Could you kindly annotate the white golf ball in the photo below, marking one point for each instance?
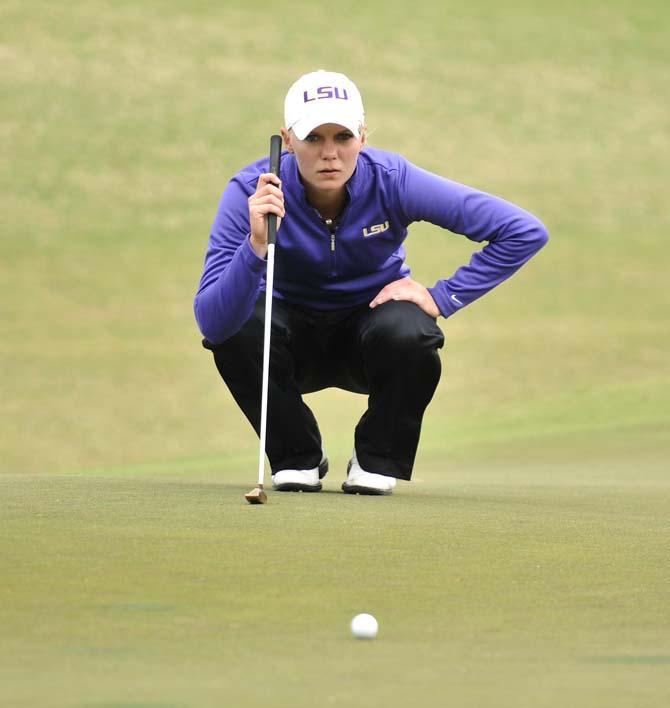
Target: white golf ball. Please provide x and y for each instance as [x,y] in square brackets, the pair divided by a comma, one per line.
[364,626]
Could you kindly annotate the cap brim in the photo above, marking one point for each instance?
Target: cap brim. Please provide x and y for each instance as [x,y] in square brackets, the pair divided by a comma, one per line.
[303,127]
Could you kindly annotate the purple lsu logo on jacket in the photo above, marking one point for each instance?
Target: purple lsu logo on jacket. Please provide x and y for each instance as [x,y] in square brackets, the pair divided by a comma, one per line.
[326,92]
[375,229]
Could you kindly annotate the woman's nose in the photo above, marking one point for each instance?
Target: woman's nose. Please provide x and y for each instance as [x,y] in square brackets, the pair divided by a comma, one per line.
[329,149]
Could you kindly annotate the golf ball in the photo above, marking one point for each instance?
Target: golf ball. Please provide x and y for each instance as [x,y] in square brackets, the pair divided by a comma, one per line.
[364,626]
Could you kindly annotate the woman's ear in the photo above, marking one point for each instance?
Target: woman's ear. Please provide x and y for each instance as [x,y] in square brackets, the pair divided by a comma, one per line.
[287,136]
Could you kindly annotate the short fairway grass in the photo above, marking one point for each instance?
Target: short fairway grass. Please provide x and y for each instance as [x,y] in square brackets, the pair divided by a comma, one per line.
[528,564]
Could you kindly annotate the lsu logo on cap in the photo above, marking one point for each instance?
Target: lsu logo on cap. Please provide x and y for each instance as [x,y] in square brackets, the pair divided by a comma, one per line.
[326,92]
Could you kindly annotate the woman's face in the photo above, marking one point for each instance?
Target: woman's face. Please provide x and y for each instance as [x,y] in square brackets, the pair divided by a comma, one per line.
[326,157]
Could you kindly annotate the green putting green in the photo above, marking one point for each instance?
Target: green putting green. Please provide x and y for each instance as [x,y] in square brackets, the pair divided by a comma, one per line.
[506,586]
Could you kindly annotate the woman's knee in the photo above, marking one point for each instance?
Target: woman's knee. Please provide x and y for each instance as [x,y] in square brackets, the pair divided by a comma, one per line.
[403,327]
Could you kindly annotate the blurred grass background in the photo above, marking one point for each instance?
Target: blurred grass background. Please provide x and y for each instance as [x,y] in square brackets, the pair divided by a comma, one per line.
[121,124]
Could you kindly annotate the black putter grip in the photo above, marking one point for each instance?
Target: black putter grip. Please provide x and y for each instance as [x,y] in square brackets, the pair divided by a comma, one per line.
[275,157]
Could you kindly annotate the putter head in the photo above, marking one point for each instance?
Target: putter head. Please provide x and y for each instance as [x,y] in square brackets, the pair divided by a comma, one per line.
[256,496]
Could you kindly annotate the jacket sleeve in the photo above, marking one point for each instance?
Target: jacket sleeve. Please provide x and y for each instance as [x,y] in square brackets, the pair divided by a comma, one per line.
[233,273]
[513,235]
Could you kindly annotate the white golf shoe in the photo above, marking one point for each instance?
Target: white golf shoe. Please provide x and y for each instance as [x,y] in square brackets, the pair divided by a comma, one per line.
[300,480]
[361,482]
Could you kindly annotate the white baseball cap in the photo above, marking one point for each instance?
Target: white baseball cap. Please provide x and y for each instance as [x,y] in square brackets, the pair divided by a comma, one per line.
[323,97]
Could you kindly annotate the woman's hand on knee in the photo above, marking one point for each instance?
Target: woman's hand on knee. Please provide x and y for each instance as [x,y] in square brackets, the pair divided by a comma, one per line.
[410,290]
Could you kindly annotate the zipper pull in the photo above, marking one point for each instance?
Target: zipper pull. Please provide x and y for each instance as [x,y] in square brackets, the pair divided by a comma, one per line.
[331,228]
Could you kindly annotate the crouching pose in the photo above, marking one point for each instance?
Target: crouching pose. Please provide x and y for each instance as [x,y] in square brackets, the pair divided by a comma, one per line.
[346,312]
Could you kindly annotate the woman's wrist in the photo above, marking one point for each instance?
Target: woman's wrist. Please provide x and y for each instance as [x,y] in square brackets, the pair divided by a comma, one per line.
[260,247]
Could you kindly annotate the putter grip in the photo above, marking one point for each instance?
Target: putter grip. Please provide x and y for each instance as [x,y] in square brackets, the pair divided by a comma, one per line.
[275,158]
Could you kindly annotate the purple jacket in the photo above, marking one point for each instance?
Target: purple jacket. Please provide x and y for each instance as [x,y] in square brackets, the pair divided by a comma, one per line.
[345,266]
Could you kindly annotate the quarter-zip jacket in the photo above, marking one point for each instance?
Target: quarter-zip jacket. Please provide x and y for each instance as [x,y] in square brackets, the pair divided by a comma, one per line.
[345,263]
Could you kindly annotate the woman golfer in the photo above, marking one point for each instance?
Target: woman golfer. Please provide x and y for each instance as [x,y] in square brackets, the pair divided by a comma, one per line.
[346,312]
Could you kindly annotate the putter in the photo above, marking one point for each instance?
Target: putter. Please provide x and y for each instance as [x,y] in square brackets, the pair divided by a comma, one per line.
[258,495]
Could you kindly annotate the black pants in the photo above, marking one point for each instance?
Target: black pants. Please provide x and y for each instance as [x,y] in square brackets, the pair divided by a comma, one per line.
[389,352]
